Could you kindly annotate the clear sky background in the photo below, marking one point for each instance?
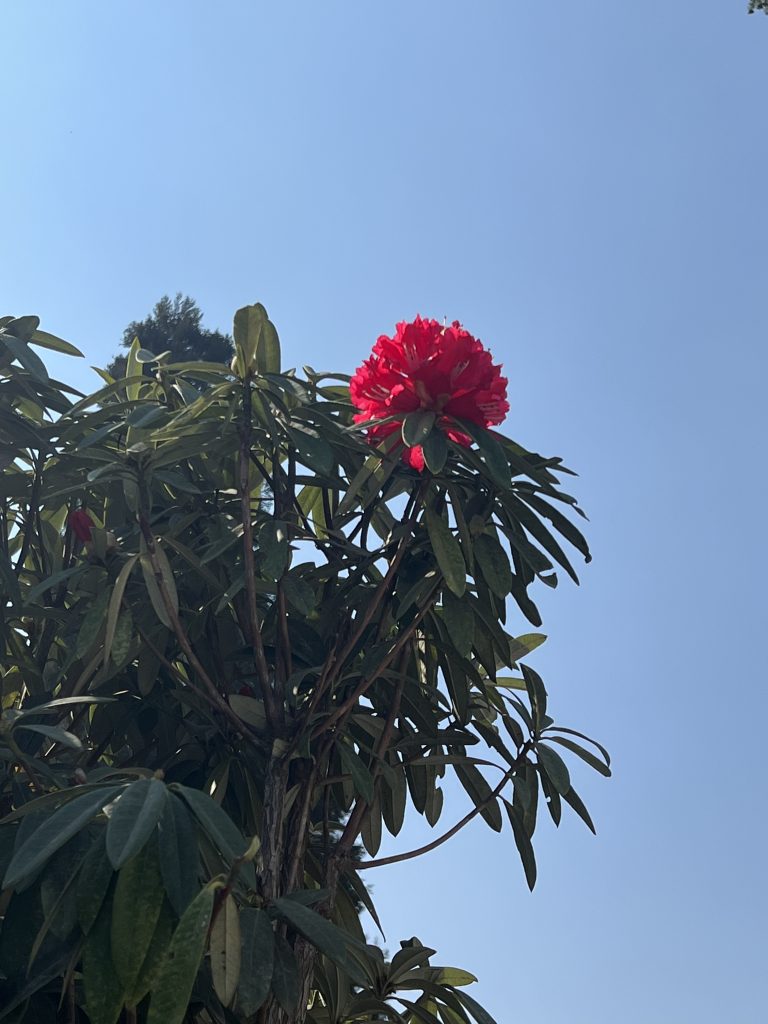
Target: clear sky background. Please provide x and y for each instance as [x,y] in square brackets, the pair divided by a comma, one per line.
[583,185]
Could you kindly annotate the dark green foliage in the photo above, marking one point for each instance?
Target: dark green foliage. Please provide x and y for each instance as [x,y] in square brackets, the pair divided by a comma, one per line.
[758,5]
[274,642]
[174,326]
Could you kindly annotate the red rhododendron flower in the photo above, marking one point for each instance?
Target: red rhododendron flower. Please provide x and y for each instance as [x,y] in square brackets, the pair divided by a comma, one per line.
[81,524]
[428,366]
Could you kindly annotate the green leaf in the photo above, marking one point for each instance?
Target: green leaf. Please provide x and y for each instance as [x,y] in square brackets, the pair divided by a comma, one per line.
[574,800]
[555,767]
[492,452]
[92,623]
[134,372]
[121,641]
[226,951]
[312,450]
[447,552]
[361,776]
[220,828]
[23,354]
[521,646]
[104,993]
[52,581]
[435,449]
[455,977]
[585,755]
[52,732]
[537,695]
[459,621]
[257,960]
[178,853]
[153,961]
[417,427]
[481,793]
[320,932]
[273,548]
[136,906]
[53,833]
[93,883]
[133,819]
[285,976]
[45,340]
[494,564]
[478,1012]
[173,987]
[153,587]
[299,593]
[255,336]
[523,844]
[115,603]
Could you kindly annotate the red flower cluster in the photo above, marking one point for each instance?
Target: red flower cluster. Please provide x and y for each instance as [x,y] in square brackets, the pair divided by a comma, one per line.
[81,524]
[428,366]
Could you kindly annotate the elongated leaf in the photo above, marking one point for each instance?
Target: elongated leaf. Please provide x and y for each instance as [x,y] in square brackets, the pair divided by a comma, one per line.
[45,340]
[459,621]
[361,776]
[537,694]
[226,951]
[494,563]
[417,427]
[273,548]
[555,767]
[492,452]
[153,588]
[153,961]
[447,552]
[320,932]
[285,976]
[221,829]
[477,787]
[133,819]
[574,800]
[121,641]
[523,844]
[480,1014]
[115,602]
[258,951]
[53,833]
[104,993]
[255,335]
[173,986]
[136,906]
[91,624]
[52,581]
[52,732]
[585,755]
[23,354]
[178,853]
[435,449]
[521,646]
[93,882]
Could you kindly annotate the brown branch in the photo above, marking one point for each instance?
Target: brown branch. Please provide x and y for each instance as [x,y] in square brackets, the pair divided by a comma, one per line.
[344,709]
[477,809]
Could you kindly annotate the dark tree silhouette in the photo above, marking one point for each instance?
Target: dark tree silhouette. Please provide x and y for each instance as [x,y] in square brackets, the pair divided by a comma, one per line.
[175,325]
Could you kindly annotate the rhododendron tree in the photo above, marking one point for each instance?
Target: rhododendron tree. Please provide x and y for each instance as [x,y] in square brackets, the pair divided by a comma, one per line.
[252,619]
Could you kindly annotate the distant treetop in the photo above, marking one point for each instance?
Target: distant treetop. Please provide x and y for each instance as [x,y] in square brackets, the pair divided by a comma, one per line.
[175,325]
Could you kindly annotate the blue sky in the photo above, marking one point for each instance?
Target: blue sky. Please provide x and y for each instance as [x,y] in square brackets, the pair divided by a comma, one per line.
[583,186]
